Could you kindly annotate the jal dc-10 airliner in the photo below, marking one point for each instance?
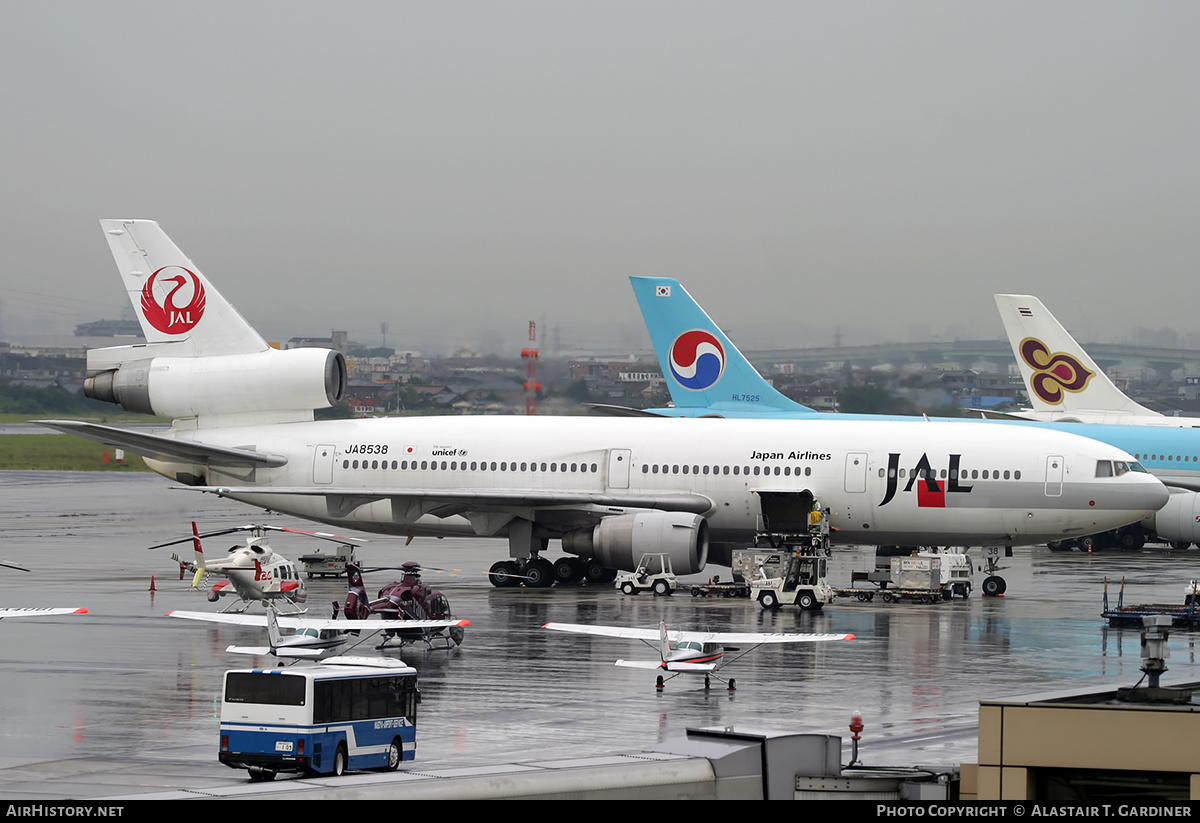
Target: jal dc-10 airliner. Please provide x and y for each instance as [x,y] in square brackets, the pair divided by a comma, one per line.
[609,489]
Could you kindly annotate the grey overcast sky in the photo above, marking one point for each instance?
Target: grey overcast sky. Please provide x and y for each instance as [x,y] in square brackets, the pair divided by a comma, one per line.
[456,169]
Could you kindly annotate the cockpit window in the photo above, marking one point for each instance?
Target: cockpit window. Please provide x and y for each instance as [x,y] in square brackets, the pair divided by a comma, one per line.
[1137,467]
[1104,468]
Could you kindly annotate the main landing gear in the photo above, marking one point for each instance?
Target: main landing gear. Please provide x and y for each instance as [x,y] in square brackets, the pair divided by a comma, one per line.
[537,573]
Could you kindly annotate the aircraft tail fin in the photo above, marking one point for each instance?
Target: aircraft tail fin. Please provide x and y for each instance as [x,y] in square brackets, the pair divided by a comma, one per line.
[274,636]
[198,554]
[1059,375]
[174,302]
[702,367]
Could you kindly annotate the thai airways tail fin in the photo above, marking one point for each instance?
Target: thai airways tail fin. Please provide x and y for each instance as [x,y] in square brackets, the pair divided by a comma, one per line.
[704,371]
[174,302]
[1062,380]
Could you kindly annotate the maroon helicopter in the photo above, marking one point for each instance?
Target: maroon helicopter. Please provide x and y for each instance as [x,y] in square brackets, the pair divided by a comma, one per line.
[406,599]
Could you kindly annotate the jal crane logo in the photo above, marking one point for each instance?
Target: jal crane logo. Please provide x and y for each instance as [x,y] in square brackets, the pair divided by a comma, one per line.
[168,316]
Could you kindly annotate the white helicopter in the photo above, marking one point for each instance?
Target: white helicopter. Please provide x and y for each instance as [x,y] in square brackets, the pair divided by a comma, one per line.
[254,572]
[681,652]
[310,638]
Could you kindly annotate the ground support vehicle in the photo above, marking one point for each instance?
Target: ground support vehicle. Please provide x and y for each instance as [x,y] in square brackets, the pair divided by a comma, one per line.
[715,587]
[343,713]
[1186,616]
[922,577]
[796,574]
[328,564]
[654,574]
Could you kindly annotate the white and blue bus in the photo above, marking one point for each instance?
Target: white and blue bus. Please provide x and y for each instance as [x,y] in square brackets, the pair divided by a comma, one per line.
[343,713]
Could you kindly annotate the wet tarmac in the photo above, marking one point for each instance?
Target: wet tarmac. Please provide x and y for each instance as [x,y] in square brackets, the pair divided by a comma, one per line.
[123,701]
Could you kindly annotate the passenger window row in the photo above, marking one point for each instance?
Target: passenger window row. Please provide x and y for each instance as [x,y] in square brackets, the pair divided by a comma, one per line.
[786,471]
[462,465]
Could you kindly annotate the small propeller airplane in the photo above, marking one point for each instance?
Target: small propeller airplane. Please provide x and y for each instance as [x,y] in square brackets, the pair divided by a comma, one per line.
[681,652]
[311,638]
[254,572]
[408,601]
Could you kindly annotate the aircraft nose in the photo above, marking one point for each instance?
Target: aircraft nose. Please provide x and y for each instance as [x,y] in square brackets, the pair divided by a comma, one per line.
[1146,493]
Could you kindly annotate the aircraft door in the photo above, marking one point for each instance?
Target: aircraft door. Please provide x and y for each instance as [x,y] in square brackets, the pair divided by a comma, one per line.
[618,468]
[323,464]
[856,472]
[1054,475]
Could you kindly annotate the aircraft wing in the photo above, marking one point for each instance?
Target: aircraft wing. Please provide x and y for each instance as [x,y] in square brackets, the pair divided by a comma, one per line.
[1181,483]
[34,612]
[155,446]
[698,637]
[281,651]
[750,637]
[460,500]
[260,621]
[639,664]
[608,631]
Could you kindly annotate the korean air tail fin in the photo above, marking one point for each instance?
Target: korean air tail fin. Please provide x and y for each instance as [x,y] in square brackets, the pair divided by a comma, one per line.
[174,302]
[704,371]
[1062,381]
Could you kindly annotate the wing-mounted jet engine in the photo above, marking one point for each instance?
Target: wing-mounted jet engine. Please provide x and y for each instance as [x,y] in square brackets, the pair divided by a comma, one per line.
[618,542]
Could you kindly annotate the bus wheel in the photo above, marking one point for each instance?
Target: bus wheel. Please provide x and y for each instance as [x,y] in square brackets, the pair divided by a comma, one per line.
[339,761]
[261,775]
[394,756]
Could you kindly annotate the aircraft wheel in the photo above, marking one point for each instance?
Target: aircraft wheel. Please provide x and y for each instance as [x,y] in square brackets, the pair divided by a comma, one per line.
[628,588]
[567,570]
[457,635]
[539,574]
[732,685]
[394,755]
[1086,544]
[593,572]
[660,683]
[993,586]
[339,761]
[806,602]
[1180,544]
[1131,542]
[501,574]
[662,588]
[707,685]
[768,601]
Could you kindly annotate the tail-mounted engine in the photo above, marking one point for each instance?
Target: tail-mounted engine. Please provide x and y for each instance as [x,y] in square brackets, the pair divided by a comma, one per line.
[270,380]
[620,541]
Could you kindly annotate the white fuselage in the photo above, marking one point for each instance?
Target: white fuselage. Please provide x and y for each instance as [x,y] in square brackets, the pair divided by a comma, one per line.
[389,475]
